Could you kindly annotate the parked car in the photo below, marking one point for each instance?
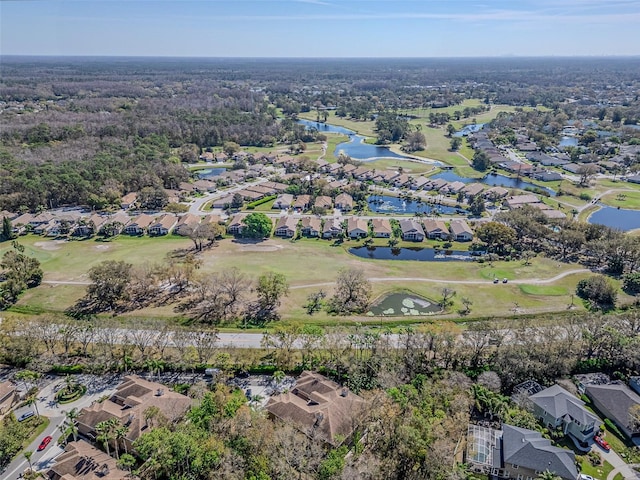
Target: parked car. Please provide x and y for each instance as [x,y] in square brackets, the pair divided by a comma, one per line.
[586,477]
[25,415]
[45,441]
[602,443]
[495,280]
[505,280]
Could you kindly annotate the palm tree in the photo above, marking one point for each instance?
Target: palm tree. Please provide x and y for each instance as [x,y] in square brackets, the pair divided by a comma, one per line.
[33,400]
[70,425]
[103,429]
[548,475]
[28,454]
[121,434]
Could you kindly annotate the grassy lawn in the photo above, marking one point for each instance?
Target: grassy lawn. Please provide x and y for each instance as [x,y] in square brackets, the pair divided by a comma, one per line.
[600,472]
[70,261]
[361,127]
[407,165]
[627,200]
[333,140]
[545,290]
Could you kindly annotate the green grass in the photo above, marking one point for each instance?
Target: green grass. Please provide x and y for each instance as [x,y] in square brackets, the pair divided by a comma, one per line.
[618,476]
[546,290]
[600,472]
[627,200]
[322,260]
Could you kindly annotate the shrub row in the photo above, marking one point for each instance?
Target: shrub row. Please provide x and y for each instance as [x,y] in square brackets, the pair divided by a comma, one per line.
[252,205]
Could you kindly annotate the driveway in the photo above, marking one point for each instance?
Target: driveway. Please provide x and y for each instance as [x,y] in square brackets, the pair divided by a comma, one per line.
[97,387]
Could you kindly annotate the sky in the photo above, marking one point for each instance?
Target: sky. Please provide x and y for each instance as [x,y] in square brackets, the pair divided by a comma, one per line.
[320,28]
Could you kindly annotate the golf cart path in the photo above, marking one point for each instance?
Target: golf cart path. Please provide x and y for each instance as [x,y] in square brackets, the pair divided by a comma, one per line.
[444,280]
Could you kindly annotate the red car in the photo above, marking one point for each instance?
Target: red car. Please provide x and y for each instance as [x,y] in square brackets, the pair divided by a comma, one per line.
[45,441]
[603,443]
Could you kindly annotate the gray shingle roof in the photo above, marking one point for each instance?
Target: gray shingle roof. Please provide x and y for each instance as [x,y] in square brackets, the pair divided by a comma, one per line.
[528,449]
[557,402]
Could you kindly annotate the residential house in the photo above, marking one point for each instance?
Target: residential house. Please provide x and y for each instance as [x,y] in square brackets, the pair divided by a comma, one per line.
[186,187]
[332,228]
[311,226]
[211,218]
[323,201]
[460,231]
[21,223]
[357,227]
[250,195]
[82,461]
[163,225]
[222,202]
[322,165]
[420,183]
[634,179]
[557,408]
[454,187]
[496,192]
[402,181]
[319,407]
[128,404]
[349,169]
[634,383]
[128,201]
[526,454]
[519,200]
[283,202]
[302,202]
[411,230]
[547,176]
[260,189]
[139,225]
[381,228]
[89,226]
[8,396]
[344,202]
[472,189]
[236,224]
[438,184]
[275,186]
[187,224]
[436,229]
[203,185]
[286,227]
[615,400]
[114,224]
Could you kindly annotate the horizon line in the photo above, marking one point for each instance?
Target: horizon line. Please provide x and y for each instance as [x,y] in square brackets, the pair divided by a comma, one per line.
[242,57]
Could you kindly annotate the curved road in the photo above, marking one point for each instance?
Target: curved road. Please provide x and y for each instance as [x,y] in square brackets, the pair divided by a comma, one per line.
[395,279]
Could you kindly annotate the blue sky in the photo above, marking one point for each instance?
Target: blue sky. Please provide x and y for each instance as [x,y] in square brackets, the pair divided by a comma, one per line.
[320,28]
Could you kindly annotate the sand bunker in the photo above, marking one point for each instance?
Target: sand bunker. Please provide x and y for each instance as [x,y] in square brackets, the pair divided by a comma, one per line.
[260,247]
[51,245]
[102,247]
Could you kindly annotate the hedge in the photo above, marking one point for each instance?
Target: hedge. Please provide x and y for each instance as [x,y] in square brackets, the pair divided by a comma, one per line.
[252,205]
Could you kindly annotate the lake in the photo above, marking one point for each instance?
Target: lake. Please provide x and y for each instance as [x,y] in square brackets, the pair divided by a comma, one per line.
[387,204]
[493,180]
[419,254]
[568,142]
[210,172]
[355,147]
[401,304]
[613,217]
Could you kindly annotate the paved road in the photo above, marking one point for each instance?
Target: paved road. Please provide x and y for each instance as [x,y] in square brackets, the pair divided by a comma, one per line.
[195,207]
[47,406]
[619,465]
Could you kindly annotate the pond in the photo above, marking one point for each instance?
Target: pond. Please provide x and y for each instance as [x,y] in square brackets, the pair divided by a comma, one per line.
[419,254]
[476,127]
[355,147]
[568,142]
[613,217]
[210,172]
[403,304]
[495,180]
[386,204]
